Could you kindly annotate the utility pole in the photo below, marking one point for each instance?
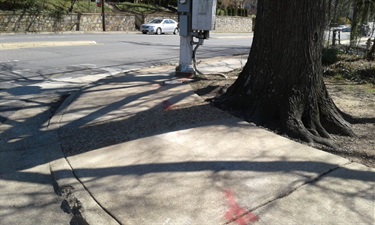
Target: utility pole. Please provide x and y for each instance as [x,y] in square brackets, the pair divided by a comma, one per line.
[103,15]
[186,39]
[196,19]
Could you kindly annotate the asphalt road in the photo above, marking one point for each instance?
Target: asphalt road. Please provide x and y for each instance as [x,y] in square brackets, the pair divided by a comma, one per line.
[51,65]
[111,50]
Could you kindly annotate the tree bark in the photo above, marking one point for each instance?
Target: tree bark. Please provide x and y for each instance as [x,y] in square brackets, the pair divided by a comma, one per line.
[281,86]
[371,53]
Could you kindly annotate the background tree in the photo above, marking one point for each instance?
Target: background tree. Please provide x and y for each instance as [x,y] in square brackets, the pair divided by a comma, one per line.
[363,12]
[360,13]
[72,5]
[281,86]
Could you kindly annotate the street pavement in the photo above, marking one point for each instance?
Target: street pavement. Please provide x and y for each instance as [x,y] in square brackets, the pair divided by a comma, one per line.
[27,195]
[142,148]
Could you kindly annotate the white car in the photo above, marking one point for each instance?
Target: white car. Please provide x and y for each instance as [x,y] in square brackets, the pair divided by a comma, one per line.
[160,26]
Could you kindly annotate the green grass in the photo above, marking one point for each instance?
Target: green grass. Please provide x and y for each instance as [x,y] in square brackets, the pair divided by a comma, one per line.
[80,6]
[48,6]
[338,77]
[139,8]
[351,68]
[33,5]
[370,89]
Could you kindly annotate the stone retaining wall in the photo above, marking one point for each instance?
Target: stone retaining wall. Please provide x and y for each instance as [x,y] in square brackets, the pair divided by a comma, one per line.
[73,22]
[224,24]
[11,22]
[230,24]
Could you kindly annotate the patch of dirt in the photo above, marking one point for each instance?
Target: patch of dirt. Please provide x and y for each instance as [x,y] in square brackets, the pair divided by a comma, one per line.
[353,98]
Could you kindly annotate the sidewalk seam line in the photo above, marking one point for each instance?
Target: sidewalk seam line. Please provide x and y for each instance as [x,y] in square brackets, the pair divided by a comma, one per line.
[91,195]
[56,119]
[317,178]
[284,195]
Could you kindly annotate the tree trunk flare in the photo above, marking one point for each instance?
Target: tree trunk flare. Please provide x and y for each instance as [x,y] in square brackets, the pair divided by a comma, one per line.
[281,86]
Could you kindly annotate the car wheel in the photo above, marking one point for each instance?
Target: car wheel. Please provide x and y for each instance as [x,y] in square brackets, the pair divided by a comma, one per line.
[158,31]
[144,32]
[176,31]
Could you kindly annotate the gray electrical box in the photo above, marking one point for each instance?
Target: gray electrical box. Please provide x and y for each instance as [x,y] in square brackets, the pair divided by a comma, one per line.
[203,14]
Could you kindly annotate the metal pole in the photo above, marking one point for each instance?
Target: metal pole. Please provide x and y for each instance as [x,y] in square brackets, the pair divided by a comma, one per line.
[185,68]
[103,15]
[186,54]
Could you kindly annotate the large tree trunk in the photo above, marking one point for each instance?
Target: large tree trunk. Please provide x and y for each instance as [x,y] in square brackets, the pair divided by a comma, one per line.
[281,85]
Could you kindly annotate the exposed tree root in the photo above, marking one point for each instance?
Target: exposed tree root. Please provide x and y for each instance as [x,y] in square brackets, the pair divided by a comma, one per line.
[312,125]
[298,130]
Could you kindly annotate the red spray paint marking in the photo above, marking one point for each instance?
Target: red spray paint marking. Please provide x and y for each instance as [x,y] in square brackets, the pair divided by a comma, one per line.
[237,214]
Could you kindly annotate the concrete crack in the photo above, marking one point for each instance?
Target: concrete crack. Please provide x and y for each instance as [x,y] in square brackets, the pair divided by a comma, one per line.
[70,204]
[286,194]
[92,196]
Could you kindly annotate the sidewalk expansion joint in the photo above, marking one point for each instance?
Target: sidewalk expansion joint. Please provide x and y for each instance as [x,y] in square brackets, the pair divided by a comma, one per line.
[288,193]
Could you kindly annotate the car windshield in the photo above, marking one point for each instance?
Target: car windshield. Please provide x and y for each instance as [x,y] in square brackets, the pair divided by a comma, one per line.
[156,21]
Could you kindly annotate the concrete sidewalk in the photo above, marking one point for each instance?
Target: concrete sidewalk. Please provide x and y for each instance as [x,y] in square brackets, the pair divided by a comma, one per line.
[138,150]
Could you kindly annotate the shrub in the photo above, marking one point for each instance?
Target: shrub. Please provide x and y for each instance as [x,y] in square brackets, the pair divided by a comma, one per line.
[229,12]
[359,70]
[221,12]
[329,56]
[234,12]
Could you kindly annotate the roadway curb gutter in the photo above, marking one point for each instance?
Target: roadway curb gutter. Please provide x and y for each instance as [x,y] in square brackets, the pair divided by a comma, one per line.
[17,45]
[78,201]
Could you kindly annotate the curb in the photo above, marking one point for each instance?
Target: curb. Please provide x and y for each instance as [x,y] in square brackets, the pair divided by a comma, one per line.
[18,45]
[78,201]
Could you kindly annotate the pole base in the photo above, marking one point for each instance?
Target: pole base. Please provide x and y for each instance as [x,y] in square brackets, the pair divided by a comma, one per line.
[186,72]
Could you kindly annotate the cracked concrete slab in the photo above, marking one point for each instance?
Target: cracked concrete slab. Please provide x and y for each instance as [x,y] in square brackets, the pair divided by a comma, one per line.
[220,172]
[74,193]
[184,176]
[344,196]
